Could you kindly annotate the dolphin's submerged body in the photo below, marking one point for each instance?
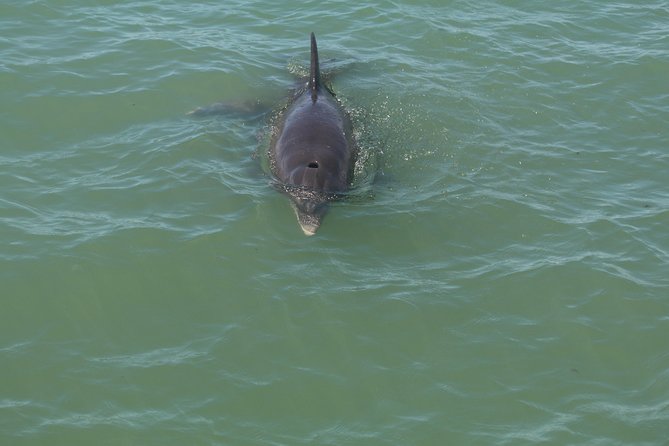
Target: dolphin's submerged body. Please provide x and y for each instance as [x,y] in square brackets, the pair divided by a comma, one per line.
[312,154]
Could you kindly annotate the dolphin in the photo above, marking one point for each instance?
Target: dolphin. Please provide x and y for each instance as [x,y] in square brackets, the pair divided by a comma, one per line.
[312,153]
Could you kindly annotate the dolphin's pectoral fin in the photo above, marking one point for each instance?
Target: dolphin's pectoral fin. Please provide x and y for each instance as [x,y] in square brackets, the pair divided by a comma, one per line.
[244,109]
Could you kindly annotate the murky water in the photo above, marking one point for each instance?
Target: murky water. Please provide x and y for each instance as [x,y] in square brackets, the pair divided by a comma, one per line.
[500,276]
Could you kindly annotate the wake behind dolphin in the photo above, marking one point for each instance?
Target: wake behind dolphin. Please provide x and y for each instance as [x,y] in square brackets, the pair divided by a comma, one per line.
[312,154]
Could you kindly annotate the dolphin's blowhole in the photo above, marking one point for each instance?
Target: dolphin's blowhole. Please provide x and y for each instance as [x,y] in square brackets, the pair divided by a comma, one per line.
[313,165]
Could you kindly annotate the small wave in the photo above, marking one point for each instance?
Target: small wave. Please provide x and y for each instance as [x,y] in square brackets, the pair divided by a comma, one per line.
[13,404]
[153,358]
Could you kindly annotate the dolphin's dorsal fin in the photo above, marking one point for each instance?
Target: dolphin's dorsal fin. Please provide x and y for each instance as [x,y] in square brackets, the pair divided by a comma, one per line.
[315,72]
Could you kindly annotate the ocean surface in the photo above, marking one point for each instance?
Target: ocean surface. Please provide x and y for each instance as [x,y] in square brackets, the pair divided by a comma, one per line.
[498,276]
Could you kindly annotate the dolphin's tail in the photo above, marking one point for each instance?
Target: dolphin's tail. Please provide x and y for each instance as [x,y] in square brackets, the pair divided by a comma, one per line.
[315,72]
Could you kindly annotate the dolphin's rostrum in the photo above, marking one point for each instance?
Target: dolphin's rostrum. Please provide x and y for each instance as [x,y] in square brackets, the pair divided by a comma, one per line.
[312,154]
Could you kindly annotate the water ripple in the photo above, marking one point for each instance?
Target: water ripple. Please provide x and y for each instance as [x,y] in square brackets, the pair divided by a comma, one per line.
[154,358]
[499,278]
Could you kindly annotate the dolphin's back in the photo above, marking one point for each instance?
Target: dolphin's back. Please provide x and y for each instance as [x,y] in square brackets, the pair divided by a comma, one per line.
[312,153]
[313,148]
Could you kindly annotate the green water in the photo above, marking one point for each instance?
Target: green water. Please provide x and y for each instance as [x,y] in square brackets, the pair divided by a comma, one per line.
[498,278]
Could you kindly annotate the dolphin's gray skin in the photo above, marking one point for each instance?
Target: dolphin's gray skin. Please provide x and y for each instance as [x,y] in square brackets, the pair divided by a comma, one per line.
[312,154]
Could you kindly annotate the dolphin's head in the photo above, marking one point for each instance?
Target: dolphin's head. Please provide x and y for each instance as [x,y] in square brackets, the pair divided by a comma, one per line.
[310,211]
[310,206]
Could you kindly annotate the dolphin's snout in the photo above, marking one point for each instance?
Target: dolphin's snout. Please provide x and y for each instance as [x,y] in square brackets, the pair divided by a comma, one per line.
[309,214]
[308,230]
